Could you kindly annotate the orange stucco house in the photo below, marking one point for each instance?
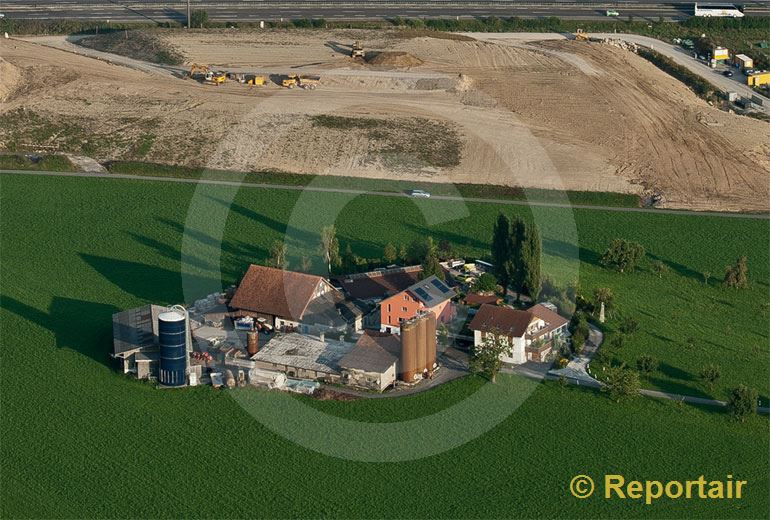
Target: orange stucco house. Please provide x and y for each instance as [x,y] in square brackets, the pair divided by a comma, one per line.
[426,295]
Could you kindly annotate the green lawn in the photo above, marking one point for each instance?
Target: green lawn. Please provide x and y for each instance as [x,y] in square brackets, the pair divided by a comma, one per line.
[82,441]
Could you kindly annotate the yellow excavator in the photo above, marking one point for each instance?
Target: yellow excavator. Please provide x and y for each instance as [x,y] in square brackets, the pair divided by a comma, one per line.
[581,36]
[209,76]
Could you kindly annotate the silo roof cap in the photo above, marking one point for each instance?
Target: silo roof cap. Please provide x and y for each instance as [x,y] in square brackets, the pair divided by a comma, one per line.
[171,316]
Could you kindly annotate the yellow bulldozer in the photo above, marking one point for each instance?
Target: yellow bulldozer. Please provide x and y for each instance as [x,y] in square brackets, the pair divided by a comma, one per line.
[581,36]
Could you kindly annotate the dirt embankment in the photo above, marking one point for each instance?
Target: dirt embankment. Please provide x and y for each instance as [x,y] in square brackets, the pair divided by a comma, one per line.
[9,79]
[558,115]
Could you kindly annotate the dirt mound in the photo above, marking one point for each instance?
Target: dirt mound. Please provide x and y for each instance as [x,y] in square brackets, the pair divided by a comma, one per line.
[9,79]
[393,59]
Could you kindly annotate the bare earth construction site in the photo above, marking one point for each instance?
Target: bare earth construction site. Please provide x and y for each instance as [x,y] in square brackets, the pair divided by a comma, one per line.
[542,114]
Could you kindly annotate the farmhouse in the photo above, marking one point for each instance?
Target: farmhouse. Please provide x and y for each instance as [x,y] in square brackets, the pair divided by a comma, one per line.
[289,300]
[373,286]
[529,334]
[429,295]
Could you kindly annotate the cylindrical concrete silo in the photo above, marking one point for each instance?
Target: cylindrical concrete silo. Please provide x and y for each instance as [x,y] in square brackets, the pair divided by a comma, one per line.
[172,338]
[430,345]
[422,341]
[408,350]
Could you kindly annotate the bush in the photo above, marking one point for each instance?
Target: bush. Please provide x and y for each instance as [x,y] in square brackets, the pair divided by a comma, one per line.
[199,18]
[742,402]
[620,383]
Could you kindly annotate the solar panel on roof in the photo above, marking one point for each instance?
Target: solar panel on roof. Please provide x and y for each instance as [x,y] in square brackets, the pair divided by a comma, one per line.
[439,285]
[422,294]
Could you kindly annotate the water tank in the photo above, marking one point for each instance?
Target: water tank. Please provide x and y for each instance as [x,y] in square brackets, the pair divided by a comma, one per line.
[172,338]
[408,350]
[431,341]
[422,342]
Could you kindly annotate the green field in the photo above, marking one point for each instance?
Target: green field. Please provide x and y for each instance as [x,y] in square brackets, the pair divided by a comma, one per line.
[79,440]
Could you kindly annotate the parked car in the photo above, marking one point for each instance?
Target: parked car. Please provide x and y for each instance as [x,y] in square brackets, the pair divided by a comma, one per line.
[748,72]
[728,73]
[419,194]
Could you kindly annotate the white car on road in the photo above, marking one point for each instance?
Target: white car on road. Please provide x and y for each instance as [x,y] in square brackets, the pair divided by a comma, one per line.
[419,194]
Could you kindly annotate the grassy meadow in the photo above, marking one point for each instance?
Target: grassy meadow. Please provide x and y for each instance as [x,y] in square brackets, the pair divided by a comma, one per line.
[79,440]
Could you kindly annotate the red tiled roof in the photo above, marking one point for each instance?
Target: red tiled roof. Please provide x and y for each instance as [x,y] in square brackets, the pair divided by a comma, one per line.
[379,284]
[480,299]
[275,292]
[510,322]
[552,319]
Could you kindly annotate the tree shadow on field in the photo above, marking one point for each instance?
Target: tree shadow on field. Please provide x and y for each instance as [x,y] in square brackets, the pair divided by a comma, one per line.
[151,283]
[85,327]
[677,387]
[678,268]
[567,251]
[675,372]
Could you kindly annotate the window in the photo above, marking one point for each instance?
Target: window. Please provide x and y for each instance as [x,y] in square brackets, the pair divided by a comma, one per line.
[406,298]
[388,307]
[404,309]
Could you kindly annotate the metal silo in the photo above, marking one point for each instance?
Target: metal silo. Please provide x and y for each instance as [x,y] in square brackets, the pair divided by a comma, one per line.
[172,338]
[430,345]
[408,350]
[422,342]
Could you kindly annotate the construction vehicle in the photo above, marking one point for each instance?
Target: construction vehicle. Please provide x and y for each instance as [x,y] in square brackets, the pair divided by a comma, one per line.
[309,82]
[290,81]
[256,80]
[209,76]
[581,36]
[357,50]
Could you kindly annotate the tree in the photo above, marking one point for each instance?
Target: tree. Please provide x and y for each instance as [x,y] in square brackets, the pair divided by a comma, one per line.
[518,273]
[532,250]
[647,365]
[742,402]
[485,283]
[501,251]
[420,248]
[330,247]
[578,342]
[604,295]
[660,268]
[278,255]
[737,276]
[199,18]
[486,357]
[706,276]
[710,374]
[622,255]
[445,250]
[389,253]
[402,254]
[306,264]
[431,266]
[349,260]
[621,383]
[629,325]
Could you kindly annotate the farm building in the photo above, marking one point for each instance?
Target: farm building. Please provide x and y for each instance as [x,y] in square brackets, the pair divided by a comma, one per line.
[303,357]
[373,286]
[289,300]
[373,362]
[429,295]
[135,340]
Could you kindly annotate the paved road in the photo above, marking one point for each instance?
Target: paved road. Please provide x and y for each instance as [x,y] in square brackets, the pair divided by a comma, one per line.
[114,176]
[245,10]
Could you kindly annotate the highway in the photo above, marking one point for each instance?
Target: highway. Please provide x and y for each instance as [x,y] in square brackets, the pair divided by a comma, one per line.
[337,10]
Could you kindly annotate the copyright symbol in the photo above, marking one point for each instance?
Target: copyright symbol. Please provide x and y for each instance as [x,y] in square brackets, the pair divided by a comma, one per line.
[581,486]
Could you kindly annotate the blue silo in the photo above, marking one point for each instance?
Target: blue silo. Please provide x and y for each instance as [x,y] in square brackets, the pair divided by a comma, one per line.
[172,338]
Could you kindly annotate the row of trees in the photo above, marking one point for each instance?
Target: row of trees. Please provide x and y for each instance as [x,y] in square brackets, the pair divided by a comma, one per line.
[420,251]
[516,255]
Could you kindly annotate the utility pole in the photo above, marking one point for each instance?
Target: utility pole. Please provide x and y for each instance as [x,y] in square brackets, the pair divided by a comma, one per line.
[188,14]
